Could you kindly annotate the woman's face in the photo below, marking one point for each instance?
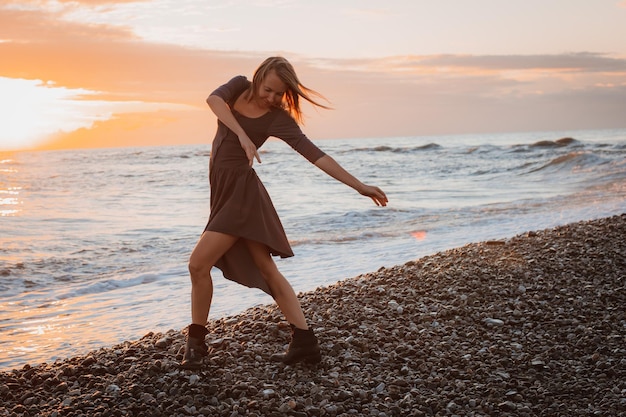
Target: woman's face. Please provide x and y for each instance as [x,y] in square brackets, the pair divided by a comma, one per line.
[271,90]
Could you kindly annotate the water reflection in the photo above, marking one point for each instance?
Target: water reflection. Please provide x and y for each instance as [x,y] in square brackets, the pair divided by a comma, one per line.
[9,192]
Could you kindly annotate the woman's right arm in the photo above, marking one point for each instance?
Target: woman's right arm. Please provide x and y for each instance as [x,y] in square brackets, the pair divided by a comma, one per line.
[327,164]
[221,109]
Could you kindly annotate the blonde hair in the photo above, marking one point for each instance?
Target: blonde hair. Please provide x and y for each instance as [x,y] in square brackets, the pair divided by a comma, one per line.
[285,71]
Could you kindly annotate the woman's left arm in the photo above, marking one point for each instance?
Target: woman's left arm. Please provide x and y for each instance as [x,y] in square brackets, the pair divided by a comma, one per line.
[332,168]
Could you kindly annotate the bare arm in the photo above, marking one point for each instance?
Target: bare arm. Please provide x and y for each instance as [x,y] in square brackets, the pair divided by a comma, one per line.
[332,168]
[221,109]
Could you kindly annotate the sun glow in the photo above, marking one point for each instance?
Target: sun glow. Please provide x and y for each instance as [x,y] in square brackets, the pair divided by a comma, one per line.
[36,110]
[419,234]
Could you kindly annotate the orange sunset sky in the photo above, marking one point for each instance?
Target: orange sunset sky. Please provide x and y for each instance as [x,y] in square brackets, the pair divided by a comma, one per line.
[105,73]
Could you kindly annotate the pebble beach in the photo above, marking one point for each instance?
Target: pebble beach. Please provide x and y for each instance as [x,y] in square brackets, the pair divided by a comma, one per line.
[532,325]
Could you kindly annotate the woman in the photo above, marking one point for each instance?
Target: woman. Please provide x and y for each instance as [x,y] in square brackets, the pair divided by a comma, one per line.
[244,231]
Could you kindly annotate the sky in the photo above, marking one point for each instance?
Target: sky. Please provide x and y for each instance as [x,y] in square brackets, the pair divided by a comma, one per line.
[108,73]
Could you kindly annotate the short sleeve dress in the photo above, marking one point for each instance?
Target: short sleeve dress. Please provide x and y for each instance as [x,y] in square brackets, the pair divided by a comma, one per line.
[240,204]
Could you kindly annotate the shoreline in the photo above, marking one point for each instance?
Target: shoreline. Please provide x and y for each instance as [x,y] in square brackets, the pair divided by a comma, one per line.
[530,325]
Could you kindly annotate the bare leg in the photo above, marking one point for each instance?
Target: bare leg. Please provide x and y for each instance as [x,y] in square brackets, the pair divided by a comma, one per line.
[282,291]
[210,247]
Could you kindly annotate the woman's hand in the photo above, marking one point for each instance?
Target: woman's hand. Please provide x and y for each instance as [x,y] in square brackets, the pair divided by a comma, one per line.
[225,115]
[376,194]
[249,148]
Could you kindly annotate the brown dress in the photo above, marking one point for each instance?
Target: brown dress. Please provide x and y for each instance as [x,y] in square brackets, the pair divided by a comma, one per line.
[240,204]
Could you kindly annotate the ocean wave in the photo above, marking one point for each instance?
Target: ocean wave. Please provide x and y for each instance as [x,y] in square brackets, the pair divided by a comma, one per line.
[359,227]
[344,238]
[392,149]
[68,275]
[106,285]
[555,144]
[547,144]
[572,160]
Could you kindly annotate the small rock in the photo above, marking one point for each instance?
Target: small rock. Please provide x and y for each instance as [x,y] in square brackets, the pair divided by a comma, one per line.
[507,406]
[162,343]
[451,406]
[380,388]
[285,408]
[146,397]
[88,361]
[537,363]
[29,401]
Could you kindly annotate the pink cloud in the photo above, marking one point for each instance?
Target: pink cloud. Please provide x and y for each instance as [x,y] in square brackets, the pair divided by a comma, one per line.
[399,95]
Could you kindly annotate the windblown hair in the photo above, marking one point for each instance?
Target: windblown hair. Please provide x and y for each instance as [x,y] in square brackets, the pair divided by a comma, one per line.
[285,71]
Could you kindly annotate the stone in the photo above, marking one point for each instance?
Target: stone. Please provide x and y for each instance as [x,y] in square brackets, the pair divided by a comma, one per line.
[486,329]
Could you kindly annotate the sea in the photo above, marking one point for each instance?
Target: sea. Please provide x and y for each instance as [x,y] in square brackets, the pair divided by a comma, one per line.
[94,243]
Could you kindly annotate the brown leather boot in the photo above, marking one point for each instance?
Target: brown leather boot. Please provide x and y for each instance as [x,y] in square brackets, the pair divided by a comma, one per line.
[303,348]
[195,348]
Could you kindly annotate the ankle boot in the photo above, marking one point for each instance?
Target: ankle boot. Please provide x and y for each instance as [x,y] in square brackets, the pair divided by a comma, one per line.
[195,348]
[303,348]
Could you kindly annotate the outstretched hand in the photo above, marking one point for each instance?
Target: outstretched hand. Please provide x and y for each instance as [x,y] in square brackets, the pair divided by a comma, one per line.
[376,194]
[250,149]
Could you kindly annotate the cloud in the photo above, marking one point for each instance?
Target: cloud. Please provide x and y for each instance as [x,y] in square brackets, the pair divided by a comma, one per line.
[48,27]
[34,110]
[501,77]
[580,62]
[97,57]
[162,127]
[396,95]
[583,61]
[48,3]
[463,94]
[367,13]
[101,2]
[274,3]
